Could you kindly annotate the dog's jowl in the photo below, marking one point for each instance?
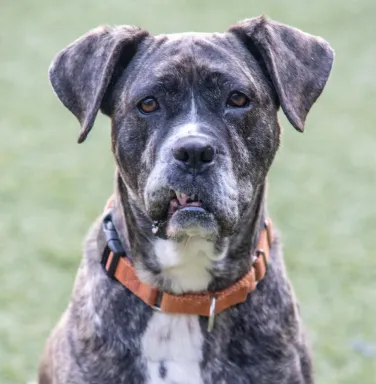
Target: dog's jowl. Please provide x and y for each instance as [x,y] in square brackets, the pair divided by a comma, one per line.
[182,279]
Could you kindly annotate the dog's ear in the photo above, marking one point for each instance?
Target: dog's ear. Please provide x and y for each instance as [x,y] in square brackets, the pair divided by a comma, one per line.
[298,64]
[81,73]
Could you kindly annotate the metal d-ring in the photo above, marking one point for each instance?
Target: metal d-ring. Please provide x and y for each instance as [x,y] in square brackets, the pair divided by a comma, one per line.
[261,252]
[157,309]
[213,302]
[157,305]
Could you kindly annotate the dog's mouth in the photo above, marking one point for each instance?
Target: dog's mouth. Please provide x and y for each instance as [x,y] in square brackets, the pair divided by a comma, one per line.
[188,215]
[179,212]
[182,201]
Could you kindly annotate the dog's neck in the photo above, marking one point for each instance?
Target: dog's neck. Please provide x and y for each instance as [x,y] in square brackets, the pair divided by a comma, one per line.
[195,264]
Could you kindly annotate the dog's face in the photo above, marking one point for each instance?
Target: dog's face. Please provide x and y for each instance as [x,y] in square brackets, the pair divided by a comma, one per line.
[194,134]
[194,116]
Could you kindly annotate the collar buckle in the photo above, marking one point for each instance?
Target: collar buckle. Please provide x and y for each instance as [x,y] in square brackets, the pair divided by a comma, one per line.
[114,248]
[112,237]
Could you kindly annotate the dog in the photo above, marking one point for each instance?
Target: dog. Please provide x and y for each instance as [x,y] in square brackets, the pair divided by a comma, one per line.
[182,279]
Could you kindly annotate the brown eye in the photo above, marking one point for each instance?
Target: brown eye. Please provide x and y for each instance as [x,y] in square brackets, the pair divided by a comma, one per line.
[148,105]
[237,100]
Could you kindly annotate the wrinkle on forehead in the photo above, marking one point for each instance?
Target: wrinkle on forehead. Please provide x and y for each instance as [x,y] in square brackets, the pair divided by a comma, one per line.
[174,57]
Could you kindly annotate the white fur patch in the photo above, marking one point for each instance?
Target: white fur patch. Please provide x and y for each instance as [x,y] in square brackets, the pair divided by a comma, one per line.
[188,129]
[191,126]
[185,264]
[172,348]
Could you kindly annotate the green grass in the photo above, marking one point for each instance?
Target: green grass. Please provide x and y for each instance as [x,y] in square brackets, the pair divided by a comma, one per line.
[322,186]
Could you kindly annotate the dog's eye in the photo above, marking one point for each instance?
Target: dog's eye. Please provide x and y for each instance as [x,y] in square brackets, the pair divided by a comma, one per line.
[237,100]
[148,105]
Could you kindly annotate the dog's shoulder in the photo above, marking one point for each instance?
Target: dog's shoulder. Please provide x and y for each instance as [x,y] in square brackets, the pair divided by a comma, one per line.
[57,350]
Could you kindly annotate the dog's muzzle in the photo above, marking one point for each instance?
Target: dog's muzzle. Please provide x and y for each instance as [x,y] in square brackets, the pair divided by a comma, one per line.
[191,190]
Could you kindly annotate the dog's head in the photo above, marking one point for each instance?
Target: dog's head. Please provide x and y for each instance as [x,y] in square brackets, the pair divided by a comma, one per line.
[194,116]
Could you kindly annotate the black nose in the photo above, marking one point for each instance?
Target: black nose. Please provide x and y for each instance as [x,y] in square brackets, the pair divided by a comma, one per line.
[195,153]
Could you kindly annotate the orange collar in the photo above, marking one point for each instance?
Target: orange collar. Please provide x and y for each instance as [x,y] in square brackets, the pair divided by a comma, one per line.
[204,303]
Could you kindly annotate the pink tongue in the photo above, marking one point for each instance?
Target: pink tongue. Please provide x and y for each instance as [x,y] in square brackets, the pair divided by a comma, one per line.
[182,202]
[183,199]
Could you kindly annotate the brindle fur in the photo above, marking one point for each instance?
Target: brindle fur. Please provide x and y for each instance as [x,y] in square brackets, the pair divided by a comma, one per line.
[260,341]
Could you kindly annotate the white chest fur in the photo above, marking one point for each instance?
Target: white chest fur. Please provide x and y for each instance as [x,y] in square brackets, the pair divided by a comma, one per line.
[172,348]
[172,343]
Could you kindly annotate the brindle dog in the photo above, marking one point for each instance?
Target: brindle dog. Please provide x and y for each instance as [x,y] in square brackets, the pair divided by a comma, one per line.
[194,125]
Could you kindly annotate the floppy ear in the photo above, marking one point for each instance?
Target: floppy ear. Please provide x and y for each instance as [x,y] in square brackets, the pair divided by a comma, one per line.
[81,73]
[298,64]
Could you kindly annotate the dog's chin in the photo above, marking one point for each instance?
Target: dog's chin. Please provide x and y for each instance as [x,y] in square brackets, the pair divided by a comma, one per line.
[181,215]
[192,221]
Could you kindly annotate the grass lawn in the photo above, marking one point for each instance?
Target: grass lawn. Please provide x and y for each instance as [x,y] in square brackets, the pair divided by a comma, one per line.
[322,186]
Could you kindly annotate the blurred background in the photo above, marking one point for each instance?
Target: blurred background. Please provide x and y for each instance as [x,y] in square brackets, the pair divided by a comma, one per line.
[321,188]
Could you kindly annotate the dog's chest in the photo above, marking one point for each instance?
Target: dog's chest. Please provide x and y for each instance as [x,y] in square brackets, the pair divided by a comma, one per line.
[172,349]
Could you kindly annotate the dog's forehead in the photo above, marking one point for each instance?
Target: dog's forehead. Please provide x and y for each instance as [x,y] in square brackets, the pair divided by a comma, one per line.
[203,52]
[198,45]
